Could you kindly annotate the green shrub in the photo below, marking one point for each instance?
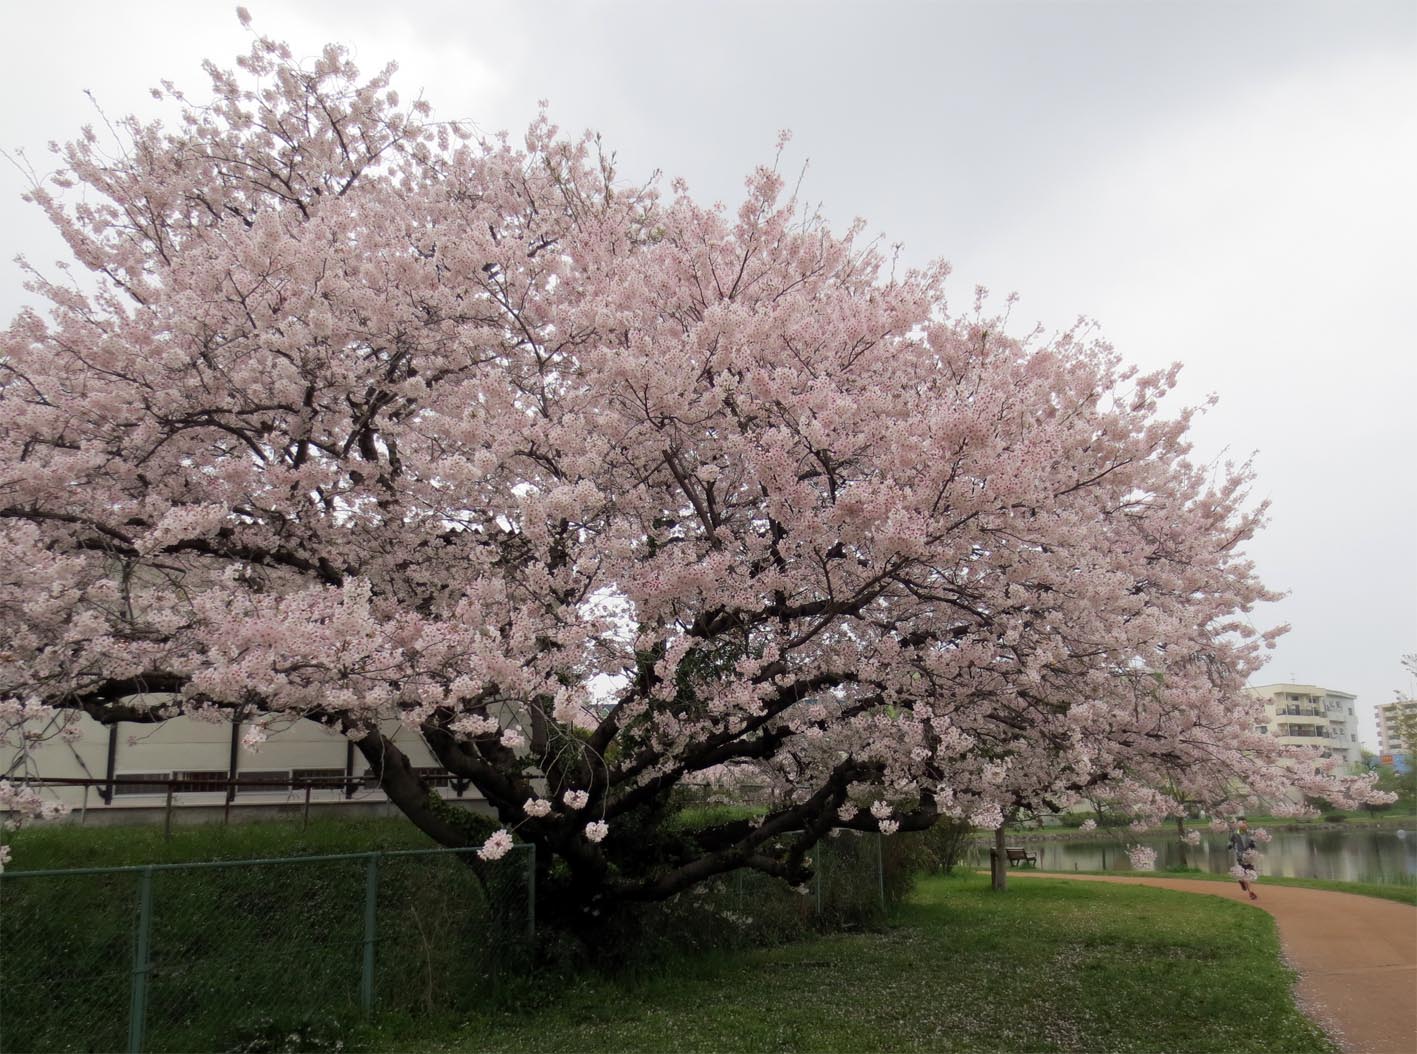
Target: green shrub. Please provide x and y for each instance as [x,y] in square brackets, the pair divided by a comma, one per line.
[696,817]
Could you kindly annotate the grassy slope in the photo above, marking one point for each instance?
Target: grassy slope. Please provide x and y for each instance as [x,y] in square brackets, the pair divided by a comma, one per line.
[1290,823]
[1403,894]
[232,946]
[1048,966]
[66,845]
[1277,823]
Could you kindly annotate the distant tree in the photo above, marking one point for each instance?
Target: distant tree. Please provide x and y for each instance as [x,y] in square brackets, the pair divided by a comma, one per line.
[1404,720]
[359,420]
[1401,785]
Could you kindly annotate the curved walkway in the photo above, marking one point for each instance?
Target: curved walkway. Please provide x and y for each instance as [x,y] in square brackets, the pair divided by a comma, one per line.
[1356,956]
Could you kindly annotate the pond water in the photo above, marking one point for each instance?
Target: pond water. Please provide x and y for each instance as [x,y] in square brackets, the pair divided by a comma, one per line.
[1346,855]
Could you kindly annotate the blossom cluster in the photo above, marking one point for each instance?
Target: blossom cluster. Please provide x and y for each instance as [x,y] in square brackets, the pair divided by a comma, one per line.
[1142,857]
[498,845]
[598,490]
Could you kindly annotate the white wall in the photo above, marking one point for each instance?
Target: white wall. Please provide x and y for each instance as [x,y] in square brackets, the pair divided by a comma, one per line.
[184,744]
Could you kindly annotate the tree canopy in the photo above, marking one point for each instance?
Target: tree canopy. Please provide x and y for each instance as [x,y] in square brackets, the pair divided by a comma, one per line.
[358,418]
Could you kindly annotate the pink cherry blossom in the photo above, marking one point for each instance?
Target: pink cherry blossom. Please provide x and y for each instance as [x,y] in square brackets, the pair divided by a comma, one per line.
[596,830]
[1142,857]
[601,492]
[498,845]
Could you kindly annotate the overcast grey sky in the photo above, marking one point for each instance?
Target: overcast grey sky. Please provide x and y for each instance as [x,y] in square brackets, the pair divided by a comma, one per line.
[1227,184]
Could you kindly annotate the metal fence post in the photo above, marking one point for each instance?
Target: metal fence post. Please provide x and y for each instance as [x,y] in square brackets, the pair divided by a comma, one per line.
[821,863]
[531,894]
[138,998]
[371,916]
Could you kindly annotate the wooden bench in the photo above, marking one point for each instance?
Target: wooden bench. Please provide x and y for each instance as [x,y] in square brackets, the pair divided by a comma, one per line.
[1020,855]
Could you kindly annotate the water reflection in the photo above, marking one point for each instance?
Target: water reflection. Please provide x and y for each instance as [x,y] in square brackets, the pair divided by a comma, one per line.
[1351,855]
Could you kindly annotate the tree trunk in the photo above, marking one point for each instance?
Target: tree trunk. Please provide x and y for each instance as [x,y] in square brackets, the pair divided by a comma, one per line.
[999,870]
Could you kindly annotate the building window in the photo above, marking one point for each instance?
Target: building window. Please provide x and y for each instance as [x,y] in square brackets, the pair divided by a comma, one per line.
[279,780]
[196,781]
[126,783]
[1264,730]
[435,775]
[323,779]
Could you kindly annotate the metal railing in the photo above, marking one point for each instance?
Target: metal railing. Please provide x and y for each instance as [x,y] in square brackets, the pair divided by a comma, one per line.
[177,792]
[1303,732]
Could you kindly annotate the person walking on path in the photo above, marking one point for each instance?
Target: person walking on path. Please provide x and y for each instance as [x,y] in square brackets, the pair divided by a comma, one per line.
[1246,855]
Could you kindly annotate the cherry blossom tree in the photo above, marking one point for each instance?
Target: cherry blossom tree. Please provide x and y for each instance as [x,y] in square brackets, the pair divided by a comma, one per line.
[350,417]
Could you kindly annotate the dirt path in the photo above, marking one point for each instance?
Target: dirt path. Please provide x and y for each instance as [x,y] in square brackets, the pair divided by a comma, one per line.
[1356,957]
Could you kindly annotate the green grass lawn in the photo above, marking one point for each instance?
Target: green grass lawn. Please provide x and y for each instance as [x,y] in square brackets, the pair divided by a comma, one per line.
[1048,966]
[68,845]
[1400,892]
[1359,817]
[241,950]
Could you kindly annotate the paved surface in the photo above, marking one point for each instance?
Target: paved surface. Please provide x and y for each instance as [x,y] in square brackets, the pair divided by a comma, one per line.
[1356,956]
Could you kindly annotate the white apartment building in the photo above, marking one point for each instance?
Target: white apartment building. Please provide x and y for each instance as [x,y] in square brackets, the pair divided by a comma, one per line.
[1390,740]
[1307,715]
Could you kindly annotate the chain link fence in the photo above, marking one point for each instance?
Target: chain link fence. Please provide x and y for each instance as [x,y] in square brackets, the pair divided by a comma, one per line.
[183,957]
[203,956]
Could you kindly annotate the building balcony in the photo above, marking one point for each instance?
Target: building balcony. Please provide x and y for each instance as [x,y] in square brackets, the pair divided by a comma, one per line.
[1301,732]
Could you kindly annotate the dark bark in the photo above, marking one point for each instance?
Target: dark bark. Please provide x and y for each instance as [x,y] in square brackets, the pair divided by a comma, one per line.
[581,884]
[445,824]
[999,862]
